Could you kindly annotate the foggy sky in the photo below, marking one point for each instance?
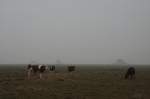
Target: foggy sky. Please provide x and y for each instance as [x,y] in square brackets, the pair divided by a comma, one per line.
[75,31]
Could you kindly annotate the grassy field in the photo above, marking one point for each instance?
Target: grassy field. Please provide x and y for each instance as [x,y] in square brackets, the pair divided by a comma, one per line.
[87,82]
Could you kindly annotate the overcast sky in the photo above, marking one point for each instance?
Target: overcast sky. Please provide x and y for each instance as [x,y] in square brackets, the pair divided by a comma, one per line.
[75,31]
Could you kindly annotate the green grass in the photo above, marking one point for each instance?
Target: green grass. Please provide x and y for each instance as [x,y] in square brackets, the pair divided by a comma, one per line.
[88,82]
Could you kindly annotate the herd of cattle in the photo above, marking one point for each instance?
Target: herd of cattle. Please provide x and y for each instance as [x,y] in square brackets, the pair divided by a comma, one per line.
[40,69]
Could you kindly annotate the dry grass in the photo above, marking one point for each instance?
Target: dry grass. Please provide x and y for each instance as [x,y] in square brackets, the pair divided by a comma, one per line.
[86,83]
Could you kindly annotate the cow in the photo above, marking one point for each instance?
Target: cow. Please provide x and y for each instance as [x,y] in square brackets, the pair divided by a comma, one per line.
[71,68]
[130,74]
[36,69]
[52,68]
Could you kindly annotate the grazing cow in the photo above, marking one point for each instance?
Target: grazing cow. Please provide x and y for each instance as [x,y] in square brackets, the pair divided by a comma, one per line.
[130,74]
[52,68]
[36,69]
[71,68]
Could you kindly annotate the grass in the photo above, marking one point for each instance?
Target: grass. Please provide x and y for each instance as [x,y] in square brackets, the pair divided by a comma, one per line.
[88,82]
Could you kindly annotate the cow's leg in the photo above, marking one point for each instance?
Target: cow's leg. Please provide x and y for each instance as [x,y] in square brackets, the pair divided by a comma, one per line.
[126,76]
[29,74]
[40,75]
[132,76]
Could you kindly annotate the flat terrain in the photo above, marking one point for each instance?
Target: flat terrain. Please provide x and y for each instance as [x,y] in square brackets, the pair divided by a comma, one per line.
[87,82]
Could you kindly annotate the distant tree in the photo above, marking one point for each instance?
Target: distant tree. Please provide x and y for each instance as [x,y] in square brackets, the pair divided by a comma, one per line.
[120,62]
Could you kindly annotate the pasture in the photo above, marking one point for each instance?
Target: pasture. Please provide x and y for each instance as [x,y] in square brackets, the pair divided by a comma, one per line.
[87,82]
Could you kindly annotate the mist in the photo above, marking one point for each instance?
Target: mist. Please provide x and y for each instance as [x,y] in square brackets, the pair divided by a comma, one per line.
[74,31]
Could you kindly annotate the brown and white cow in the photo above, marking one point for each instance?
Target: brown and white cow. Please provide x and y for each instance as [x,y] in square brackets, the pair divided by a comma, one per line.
[36,69]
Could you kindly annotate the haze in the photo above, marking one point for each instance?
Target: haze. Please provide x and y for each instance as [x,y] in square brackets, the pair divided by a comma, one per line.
[74,31]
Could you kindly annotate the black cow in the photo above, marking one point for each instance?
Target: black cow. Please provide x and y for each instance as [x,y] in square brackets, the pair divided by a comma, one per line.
[52,68]
[71,68]
[130,74]
[36,69]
